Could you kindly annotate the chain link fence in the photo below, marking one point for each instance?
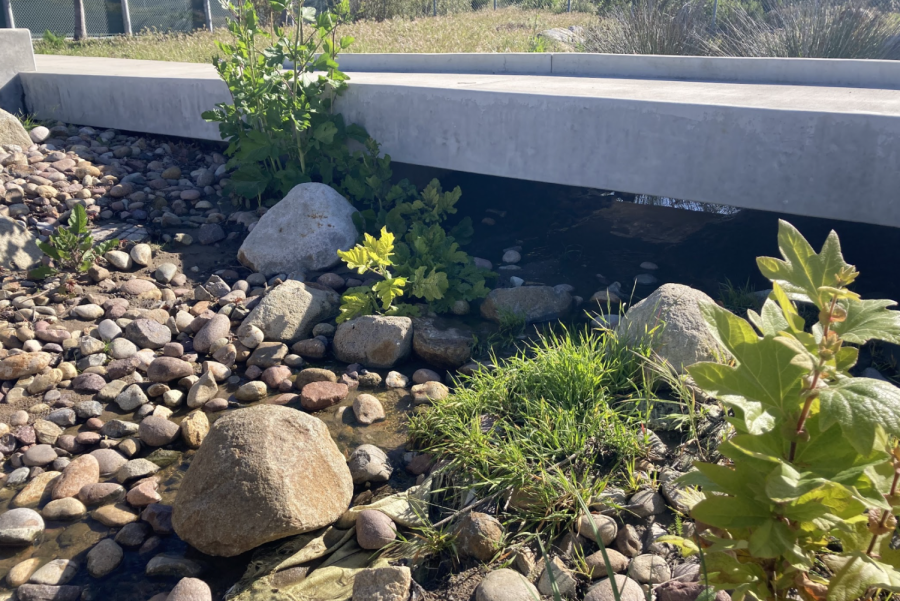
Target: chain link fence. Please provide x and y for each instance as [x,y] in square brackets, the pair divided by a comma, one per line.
[106,17]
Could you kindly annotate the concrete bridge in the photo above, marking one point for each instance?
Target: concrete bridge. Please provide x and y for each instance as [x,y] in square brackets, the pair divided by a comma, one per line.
[804,136]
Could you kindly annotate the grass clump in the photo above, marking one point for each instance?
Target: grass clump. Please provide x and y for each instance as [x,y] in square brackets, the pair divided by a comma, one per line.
[544,427]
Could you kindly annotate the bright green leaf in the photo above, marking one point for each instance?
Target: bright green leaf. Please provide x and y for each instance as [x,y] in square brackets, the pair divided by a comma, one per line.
[860,405]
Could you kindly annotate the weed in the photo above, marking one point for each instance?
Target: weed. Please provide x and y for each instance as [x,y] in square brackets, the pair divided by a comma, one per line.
[738,299]
[557,402]
[72,248]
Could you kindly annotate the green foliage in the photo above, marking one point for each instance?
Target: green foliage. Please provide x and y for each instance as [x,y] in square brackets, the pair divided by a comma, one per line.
[72,248]
[53,41]
[375,255]
[512,428]
[738,299]
[426,255]
[814,456]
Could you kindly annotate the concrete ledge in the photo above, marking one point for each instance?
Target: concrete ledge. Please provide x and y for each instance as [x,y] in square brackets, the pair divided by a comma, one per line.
[16,56]
[785,71]
[831,152]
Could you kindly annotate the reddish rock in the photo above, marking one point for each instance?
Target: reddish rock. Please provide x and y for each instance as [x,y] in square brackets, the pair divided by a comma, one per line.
[144,494]
[159,517]
[103,493]
[275,375]
[319,395]
[83,470]
[166,369]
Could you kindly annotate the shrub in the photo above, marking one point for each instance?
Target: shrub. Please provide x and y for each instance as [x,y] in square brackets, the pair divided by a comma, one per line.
[651,27]
[808,498]
[72,248]
[811,29]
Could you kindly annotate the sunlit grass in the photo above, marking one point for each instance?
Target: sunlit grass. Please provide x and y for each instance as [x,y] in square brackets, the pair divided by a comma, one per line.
[503,30]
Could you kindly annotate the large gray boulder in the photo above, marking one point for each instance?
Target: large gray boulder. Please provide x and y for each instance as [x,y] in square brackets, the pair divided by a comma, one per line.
[533,303]
[374,340]
[262,473]
[12,131]
[670,319]
[18,246]
[291,310]
[302,232]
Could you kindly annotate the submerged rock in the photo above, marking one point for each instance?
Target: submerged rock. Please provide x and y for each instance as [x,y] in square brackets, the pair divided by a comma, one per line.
[531,303]
[289,478]
[442,343]
[303,232]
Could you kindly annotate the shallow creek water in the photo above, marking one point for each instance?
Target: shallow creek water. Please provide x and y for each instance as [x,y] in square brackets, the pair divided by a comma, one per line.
[585,238]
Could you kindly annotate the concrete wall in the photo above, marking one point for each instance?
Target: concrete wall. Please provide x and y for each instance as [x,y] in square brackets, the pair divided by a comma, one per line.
[811,150]
[16,56]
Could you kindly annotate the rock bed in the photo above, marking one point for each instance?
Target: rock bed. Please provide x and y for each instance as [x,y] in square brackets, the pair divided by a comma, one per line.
[107,382]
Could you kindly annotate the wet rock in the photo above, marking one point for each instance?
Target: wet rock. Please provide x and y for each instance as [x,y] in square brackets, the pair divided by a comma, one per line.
[133,534]
[159,517]
[313,374]
[395,379]
[295,480]
[505,585]
[367,409]
[114,516]
[20,527]
[190,589]
[369,380]
[604,525]
[147,333]
[64,510]
[374,530]
[629,590]
[429,392]
[109,461]
[319,395]
[166,564]
[311,348]
[532,303]
[290,310]
[302,232]
[194,428]
[649,569]
[685,339]
[39,455]
[83,470]
[442,343]
[143,494]
[158,431]
[210,233]
[166,369]
[374,341]
[46,592]
[275,375]
[368,463]
[104,558]
[479,536]
[382,584]
[22,571]
[88,409]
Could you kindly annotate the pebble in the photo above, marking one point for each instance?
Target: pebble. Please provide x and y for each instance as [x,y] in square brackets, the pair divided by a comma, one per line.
[45,592]
[104,558]
[141,254]
[20,527]
[420,376]
[251,391]
[395,379]
[629,590]
[136,468]
[604,525]
[22,571]
[55,572]
[158,431]
[114,516]
[190,589]
[511,257]
[505,585]
[649,569]
[64,510]
[429,391]
[316,396]
[367,409]
[368,463]
[130,399]
[374,529]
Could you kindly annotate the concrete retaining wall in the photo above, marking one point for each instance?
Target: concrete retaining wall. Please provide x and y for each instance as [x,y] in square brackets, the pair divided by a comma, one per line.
[806,149]
[16,56]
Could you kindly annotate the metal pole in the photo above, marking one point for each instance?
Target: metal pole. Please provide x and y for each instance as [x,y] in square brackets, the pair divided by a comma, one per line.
[495,4]
[126,18]
[434,8]
[8,13]
[569,6]
[207,12]
[715,10]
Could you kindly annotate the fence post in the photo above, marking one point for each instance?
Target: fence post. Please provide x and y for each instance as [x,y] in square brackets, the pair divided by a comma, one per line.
[126,18]
[8,14]
[569,6]
[495,4]
[207,12]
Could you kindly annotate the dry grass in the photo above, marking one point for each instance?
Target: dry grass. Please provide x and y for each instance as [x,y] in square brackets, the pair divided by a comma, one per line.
[504,30]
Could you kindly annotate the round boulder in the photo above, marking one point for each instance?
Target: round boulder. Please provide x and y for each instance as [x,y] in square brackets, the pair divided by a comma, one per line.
[288,478]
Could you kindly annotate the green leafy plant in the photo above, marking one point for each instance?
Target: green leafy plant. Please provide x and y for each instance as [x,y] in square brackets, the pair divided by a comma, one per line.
[53,41]
[72,248]
[375,256]
[808,499]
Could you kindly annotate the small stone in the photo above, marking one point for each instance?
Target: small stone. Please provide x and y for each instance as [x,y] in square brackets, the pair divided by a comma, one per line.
[46,592]
[64,510]
[131,398]
[421,376]
[368,463]
[564,580]
[374,529]
[83,470]
[251,392]
[190,589]
[22,571]
[20,527]
[382,584]
[645,503]
[104,558]
[103,493]
[136,468]
[429,392]
[511,257]
[172,565]
[88,312]
[649,569]
[604,525]
[204,390]
[395,379]
[505,585]
[118,259]
[479,536]
[114,516]
[158,431]
[597,566]
[141,254]
[122,348]
[367,409]
[629,590]
[319,395]
[108,460]
[628,541]
[55,572]
[133,534]
[143,494]
[166,369]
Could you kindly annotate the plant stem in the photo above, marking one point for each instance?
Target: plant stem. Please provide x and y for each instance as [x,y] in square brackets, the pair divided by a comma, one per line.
[885,514]
[804,414]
